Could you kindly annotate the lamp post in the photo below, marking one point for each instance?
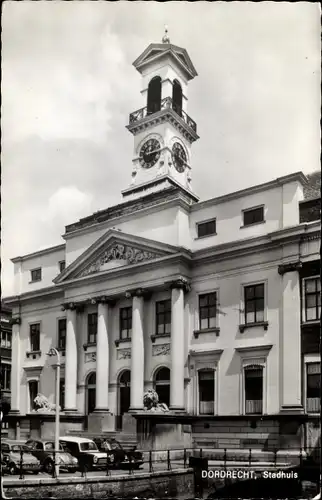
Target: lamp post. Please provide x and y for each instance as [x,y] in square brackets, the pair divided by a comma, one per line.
[54,352]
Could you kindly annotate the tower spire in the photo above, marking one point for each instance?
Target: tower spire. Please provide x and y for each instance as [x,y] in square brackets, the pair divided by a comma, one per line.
[165,38]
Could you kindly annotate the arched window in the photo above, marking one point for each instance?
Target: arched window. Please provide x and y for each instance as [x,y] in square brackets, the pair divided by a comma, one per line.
[154,95]
[177,97]
[91,393]
[125,378]
[91,379]
[162,385]
[253,389]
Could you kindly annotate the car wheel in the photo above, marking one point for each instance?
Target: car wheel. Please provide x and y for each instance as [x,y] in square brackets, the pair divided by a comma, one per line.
[73,470]
[12,469]
[49,467]
[35,472]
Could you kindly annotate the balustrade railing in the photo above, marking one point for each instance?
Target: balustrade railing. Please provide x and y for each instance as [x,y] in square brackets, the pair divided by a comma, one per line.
[313,405]
[166,103]
[254,406]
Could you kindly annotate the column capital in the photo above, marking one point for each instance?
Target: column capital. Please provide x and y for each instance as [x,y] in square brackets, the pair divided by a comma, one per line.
[289,267]
[73,306]
[103,299]
[181,284]
[138,292]
[15,321]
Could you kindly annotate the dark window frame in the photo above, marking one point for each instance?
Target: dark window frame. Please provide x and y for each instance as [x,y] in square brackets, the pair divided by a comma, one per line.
[211,299]
[91,328]
[316,294]
[62,265]
[254,215]
[207,228]
[248,370]
[313,393]
[5,379]
[154,95]
[62,332]
[34,337]
[6,339]
[204,394]
[35,274]
[62,393]
[126,323]
[256,300]
[162,312]
[31,400]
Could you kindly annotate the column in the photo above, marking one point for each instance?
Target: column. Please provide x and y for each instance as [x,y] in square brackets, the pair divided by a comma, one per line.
[177,346]
[290,347]
[15,366]
[71,361]
[102,358]
[137,352]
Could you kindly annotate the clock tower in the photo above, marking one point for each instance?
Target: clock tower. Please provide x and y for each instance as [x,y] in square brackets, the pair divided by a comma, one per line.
[163,131]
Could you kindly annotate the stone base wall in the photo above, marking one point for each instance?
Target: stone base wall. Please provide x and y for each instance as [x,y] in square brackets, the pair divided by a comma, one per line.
[155,485]
[244,434]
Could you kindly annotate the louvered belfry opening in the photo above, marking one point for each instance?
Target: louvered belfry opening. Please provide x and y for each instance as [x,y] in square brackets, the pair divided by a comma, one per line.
[154,95]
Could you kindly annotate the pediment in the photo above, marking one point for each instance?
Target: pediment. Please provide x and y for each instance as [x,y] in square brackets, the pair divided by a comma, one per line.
[157,50]
[113,250]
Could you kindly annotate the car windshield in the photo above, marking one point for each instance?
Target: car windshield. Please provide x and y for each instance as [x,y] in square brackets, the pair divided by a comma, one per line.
[18,447]
[90,446]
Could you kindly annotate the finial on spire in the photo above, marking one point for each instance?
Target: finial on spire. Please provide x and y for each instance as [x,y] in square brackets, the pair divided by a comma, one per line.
[165,38]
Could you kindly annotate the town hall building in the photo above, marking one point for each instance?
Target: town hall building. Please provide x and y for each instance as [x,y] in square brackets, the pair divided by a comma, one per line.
[215,304]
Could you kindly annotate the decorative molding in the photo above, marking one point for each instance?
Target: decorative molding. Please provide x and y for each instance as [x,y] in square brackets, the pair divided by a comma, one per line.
[124,353]
[158,335]
[138,292]
[86,346]
[216,331]
[121,341]
[33,354]
[259,350]
[90,356]
[73,306]
[161,350]
[130,254]
[259,324]
[289,267]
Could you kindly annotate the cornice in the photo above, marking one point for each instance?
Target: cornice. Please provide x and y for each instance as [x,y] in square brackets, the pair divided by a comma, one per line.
[162,116]
[289,267]
[35,294]
[39,253]
[297,176]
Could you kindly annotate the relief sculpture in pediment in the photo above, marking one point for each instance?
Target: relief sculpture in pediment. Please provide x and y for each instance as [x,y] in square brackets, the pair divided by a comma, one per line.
[127,253]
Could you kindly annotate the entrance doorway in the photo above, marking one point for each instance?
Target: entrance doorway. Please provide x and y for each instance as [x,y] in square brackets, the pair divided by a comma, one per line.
[124,385]
[90,396]
[162,385]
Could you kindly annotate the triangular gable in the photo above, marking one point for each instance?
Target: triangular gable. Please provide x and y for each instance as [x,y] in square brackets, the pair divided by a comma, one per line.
[115,249]
[154,51]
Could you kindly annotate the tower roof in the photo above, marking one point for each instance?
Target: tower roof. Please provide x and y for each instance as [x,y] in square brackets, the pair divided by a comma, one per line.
[157,51]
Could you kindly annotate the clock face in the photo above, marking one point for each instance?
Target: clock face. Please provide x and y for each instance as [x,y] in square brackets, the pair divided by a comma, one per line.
[150,153]
[179,157]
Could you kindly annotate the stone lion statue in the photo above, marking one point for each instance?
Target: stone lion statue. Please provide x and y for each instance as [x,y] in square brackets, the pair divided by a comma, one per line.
[43,405]
[151,402]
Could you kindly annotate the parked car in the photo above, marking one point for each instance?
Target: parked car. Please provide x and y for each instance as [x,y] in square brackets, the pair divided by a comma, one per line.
[44,451]
[11,458]
[122,458]
[87,453]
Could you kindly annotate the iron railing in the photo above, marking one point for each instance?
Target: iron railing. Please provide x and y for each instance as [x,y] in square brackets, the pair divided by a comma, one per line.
[166,103]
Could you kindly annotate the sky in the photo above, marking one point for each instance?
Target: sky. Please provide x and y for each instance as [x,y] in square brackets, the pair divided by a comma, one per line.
[68,86]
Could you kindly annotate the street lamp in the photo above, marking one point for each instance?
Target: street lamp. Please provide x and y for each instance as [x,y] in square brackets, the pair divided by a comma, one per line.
[54,352]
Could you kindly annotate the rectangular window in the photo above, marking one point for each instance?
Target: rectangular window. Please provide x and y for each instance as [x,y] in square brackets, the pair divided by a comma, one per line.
[35,337]
[91,328]
[253,216]
[62,266]
[5,376]
[33,391]
[206,228]
[254,303]
[126,322]
[313,387]
[207,310]
[163,317]
[206,381]
[62,393]
[62,333]
[312,299]
[6,339]
[253,390]
[36,274]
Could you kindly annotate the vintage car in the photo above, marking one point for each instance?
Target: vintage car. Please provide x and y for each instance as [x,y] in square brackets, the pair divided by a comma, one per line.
[122,458]
[11,458]
[44,451]
[87,453]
